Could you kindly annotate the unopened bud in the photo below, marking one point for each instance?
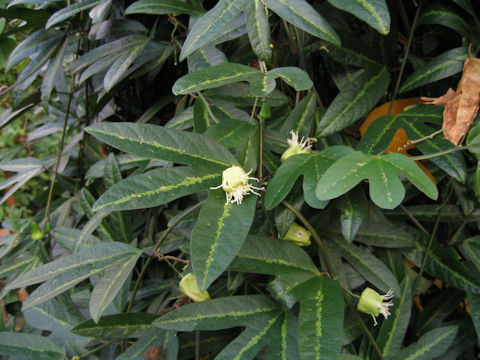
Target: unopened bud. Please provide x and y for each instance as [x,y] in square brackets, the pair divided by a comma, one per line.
[298,235]
[189,286]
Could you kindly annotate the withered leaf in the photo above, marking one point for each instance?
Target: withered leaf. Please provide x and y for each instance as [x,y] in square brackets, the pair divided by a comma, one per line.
[461,106]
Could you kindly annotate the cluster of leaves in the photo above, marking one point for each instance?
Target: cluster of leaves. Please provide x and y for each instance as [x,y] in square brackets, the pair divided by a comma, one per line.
[124,203]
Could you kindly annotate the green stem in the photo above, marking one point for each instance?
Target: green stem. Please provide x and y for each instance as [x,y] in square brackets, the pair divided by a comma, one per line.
[197,344]
[46,218]
[405,57]
[439,153]
[155,249]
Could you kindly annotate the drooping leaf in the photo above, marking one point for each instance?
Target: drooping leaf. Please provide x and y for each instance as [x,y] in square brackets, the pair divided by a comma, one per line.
[303,16]
[373,12]
[370,267]
[252,339]
[442,263]
[320,322]
[110,284]
[75,267]
[163,143]
[219,234]
[219,313]
[431,345]
[386,189]
[355,101]
[447,64]
[155,188]
[353,208]
[210,25]
[301,117]
[69,11]
[437,13]
[271,256]
[215,76]
[118,326]
[258,29]
[29,346]
[393,328]
[160,7]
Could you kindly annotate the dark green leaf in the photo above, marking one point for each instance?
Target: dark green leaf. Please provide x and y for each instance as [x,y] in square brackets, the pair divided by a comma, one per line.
[373,12]
[210,25]
[219,313]
[355,101]
[162,143]
[252,339]
[215,76]
[118,326]
[258,29]
[69,11]
[271,256]
[393,329]
[219,234]
[320,322]
[370,267]
[303,16]
[161,7]
[431,345]
[353,208]
[110,284]
[29,346]
[155,188]
[447,64]
[441,14]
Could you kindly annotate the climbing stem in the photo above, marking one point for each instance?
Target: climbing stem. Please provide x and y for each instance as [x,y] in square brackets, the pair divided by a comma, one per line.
[155,251]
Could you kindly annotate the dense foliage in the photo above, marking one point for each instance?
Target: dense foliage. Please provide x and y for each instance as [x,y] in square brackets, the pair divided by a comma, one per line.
[200,179]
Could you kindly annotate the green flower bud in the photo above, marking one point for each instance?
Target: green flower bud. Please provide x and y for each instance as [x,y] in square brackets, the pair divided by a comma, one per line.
[375,304]
[298,235]
[266,110]
[189,286]
[36,232]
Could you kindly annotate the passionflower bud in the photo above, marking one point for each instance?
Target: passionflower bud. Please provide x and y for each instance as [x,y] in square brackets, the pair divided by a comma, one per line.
[375,304]
[298,235]
[236,186]
[296,147]
[189,286]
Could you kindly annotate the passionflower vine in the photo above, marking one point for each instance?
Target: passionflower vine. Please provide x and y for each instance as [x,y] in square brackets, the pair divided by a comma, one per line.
[296,147]
[236,186]
[189,286]
[375,304]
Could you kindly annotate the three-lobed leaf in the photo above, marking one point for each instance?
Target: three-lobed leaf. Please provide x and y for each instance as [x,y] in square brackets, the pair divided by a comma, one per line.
[386,189]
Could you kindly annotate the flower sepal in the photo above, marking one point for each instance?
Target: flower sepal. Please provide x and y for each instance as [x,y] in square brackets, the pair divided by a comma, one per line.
[375,304]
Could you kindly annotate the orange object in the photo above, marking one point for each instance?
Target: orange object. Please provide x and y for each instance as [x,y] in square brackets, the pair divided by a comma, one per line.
[400,142]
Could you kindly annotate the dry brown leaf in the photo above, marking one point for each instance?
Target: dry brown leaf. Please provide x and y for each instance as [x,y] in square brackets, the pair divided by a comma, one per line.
[461,107]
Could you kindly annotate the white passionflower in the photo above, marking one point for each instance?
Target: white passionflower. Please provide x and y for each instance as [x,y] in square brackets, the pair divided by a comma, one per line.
[236,186]
[375,304]
[296,147]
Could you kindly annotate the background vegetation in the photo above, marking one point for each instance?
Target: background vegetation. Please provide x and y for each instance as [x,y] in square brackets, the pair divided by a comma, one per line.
[119,117]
